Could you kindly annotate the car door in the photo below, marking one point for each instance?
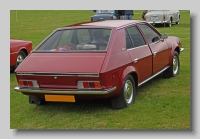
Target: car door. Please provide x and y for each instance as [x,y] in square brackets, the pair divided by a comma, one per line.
[158,47]
[139,52]
[174,17]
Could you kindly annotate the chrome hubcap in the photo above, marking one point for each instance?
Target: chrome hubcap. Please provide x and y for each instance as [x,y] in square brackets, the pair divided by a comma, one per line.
[20,58]
[175,65]
[128,91]
[170,23]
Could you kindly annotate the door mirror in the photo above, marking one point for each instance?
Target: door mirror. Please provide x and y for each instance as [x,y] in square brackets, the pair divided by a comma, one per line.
[164,36]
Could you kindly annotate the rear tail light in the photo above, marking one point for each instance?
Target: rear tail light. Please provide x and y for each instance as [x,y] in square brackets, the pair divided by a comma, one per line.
[28,83]
[111,18]
[164,16]
[89,85]
[144,17]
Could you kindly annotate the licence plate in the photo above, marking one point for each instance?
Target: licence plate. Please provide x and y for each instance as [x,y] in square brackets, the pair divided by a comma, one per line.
[60,98]
[154,17]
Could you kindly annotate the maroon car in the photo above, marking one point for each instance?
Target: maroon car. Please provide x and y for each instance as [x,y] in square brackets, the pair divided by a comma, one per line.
[19,49]
[93,60]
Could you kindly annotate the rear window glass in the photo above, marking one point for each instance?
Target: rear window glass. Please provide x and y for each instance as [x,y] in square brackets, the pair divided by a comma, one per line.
[84,39]
[104,11]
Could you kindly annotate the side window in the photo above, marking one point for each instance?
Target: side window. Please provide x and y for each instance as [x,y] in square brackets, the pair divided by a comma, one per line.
[136,36]
[83,35]
[129,44]
[64,39]
[106,34]
[150,34]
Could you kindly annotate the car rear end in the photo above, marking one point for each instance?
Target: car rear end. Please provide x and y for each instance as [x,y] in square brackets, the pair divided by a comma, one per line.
[156,17]
[54,76]
[63,73]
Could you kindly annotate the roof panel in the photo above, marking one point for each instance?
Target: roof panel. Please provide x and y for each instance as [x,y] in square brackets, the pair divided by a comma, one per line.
[106,23]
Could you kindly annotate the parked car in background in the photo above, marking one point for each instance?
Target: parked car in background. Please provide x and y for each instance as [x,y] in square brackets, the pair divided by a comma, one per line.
[97,60]
[105,15]
[19,49]
[165,17]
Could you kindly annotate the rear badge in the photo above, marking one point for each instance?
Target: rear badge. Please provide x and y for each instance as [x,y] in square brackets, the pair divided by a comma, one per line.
[55,77]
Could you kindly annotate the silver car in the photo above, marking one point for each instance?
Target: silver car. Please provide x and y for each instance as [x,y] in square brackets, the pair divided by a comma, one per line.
[166,17]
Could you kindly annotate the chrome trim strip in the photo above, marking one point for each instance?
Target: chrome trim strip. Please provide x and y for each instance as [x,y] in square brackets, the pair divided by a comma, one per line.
[157,22]
[137,47]
[14,53]
[153,76]
[182,49]
[86,92]
[155,42]
[58,74]
[130,24]
[124,26]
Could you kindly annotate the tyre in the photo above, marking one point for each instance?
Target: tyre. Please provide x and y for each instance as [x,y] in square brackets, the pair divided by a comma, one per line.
[21,56]
[174,69]
[170,23]
[178,22]
[127,94]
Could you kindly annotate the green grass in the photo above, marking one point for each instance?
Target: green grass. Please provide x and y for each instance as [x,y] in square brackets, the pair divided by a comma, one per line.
[160,103]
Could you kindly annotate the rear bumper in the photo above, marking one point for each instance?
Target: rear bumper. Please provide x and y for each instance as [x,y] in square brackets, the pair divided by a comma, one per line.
[158,22]
[82,92]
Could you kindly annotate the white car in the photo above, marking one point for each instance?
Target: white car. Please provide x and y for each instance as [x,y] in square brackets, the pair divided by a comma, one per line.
[166,17]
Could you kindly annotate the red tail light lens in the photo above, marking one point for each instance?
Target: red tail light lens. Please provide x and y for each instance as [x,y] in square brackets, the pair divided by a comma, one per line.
[164,16]
[88,85]
[94,85]
[144,17]
[21,83]
[28,83]
[85,84]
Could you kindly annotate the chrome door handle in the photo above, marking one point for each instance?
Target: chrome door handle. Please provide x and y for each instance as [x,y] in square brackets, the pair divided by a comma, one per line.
[135,60]
[154,54]
[123,48]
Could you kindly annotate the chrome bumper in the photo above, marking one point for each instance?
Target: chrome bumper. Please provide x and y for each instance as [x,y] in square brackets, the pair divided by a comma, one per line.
[157,22]
[86,92]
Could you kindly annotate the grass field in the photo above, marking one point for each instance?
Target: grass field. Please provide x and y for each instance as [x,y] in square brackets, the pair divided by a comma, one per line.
[160,103]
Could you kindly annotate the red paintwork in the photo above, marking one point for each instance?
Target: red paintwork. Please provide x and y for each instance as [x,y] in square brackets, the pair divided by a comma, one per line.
[113,66]
[16,46]
[59,63]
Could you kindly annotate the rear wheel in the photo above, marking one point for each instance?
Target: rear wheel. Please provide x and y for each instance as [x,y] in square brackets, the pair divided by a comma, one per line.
[127,94]
[21,56]
[178,22]
[170,23]
[173,70]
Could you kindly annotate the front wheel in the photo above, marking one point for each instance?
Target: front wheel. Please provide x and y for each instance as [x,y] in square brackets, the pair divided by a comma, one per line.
[127,94]
[170,23]
[21,56]
[174,69]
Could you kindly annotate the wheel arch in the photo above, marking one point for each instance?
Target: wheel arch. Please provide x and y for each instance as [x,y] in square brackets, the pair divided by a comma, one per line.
[24,50]
[130,70]
[171,18]
[172,53]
